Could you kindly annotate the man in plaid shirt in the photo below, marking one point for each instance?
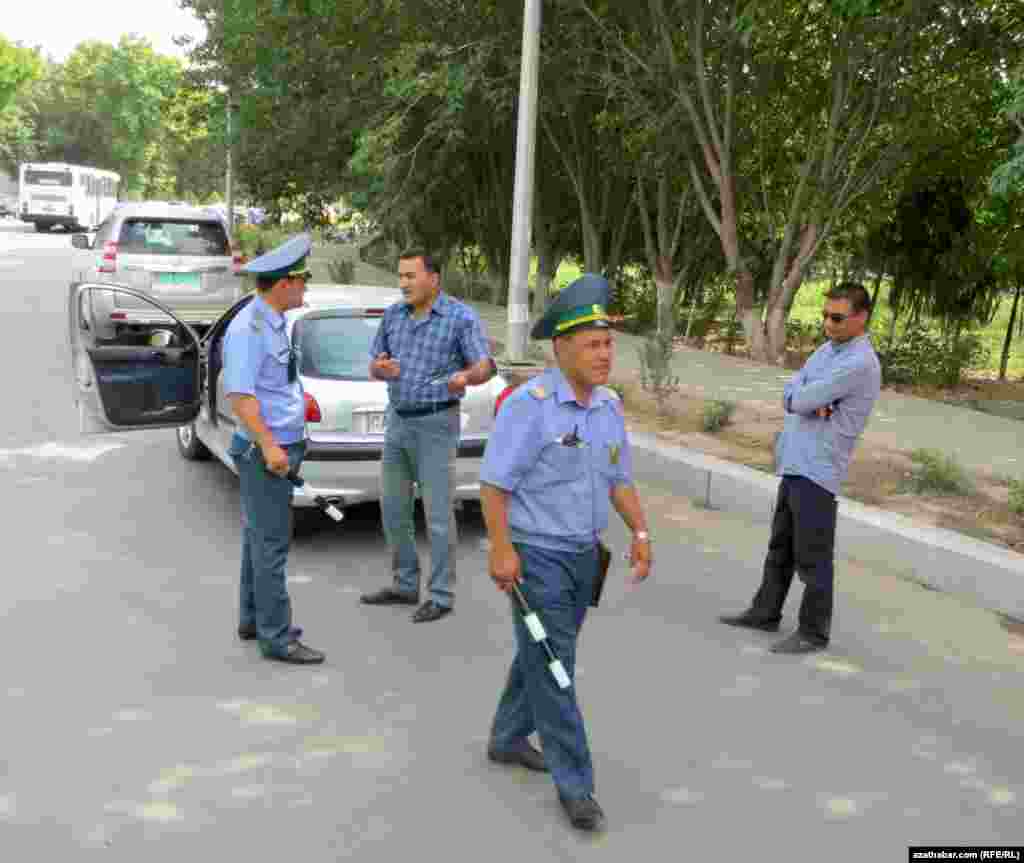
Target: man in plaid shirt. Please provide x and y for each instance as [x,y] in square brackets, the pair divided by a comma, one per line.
[428,348]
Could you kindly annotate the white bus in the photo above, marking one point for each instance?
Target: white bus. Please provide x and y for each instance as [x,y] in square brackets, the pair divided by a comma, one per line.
[76,196]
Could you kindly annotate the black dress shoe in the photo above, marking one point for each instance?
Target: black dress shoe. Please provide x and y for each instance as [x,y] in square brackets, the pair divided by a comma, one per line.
[430,611]
[389,596]
[797,643]
[523,754]
[249,632]
[298,654]
[583,812]
[749,621]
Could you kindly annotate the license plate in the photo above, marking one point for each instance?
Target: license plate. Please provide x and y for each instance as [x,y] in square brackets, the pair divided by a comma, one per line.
[375,423]
[182,282]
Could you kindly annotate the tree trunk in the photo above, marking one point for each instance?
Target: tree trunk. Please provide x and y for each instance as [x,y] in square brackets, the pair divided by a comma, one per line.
[547,266]
[499,286]
[1004,361]
[665,285]
[775,336]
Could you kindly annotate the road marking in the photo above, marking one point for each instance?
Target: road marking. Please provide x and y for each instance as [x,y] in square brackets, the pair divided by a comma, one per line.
[132,716]
[56,450]
[1001,797]
[768,784]
[6,805]
[840,807]
[682,796]
[299,579]
[11,263]
[835,665]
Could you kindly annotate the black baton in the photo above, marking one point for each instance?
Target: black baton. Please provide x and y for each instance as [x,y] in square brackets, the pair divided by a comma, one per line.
[536,629]
[322,502]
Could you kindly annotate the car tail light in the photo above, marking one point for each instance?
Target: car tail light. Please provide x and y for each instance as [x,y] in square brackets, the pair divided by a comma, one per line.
[313,414]
[504,394]
[118,316]
[374,313]
[237,260]
[109,262]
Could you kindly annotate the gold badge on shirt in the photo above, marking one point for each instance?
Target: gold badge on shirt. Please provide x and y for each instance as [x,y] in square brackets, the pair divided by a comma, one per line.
[613,453]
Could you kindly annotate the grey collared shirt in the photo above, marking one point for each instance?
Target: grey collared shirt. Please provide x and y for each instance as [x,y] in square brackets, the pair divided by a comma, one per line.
[847,377]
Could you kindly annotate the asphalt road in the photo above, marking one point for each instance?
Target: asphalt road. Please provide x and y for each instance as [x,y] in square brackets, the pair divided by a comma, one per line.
[136,727]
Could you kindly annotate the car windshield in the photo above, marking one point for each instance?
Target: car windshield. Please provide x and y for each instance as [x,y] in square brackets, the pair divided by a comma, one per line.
[173,237]
[335,347]
[47,178]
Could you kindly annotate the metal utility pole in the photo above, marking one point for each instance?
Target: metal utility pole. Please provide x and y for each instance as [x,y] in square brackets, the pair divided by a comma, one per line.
[522,204]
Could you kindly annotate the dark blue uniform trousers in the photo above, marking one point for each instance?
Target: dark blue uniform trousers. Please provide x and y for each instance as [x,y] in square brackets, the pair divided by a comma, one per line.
[266,538]
[803,539]
[558,586]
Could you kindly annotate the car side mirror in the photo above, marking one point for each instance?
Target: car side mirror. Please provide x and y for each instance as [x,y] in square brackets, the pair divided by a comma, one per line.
[80,241]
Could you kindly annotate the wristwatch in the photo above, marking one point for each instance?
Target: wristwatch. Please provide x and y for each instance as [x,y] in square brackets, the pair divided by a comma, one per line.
[642,536]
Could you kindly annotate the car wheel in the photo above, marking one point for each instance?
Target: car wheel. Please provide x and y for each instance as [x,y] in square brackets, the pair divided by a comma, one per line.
[189,444]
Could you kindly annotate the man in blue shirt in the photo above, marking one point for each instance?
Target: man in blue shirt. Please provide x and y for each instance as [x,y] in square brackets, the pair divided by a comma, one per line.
[262,384]
[428,348]
[827,404]
[557,458]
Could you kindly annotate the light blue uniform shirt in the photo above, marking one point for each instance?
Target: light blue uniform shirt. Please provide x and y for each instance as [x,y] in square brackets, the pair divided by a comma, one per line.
[846,376]
[256,354]
[558,494]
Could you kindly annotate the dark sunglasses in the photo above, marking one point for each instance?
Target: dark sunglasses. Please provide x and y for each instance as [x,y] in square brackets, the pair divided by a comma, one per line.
[835,317]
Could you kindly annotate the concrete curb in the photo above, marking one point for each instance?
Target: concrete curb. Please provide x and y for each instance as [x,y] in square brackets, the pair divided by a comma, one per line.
[937,558]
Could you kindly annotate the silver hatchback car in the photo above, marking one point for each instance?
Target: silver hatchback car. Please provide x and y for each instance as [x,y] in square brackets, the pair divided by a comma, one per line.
[172,378]
[179,255]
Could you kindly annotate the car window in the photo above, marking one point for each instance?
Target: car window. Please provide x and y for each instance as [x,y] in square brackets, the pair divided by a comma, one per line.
[148,236]
[336,348]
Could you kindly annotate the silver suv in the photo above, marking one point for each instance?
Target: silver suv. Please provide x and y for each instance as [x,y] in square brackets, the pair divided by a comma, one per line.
[179,255]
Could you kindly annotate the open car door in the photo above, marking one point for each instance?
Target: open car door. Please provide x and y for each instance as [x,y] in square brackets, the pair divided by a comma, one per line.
[144,377]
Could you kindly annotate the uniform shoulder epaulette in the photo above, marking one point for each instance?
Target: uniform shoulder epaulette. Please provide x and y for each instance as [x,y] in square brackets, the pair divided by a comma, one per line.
[539,391]
[256,322]
[612,394]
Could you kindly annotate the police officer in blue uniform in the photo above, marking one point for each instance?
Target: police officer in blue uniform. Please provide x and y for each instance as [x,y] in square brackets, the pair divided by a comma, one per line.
[262,384]
[557,457]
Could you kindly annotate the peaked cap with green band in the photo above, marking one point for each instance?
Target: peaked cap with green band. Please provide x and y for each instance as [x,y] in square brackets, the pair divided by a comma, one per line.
[584,304]
[288,259]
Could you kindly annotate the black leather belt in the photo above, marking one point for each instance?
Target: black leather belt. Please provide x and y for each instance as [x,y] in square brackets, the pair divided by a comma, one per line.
[426,409]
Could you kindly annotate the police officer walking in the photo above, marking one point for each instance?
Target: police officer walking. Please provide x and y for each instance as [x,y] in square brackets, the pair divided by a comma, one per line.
[262,384]
[557,456]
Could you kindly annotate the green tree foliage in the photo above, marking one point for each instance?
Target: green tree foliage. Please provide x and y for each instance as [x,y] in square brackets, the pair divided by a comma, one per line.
[18,66]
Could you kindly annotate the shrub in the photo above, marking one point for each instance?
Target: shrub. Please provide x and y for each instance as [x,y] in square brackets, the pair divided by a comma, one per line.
[1017,496]
[635,298]
[656,370]
[620,390]
[924,357]
[717,415]
[936,473]
[341,270]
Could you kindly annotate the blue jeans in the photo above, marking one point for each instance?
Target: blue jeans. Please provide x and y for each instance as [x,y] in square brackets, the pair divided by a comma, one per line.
[266,538]
[423,450]
[558,586]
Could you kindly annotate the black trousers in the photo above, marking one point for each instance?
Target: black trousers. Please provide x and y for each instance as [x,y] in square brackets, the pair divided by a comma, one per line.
[802,540]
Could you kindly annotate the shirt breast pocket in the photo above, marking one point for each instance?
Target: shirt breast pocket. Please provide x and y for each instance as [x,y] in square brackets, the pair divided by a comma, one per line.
[560,465]
[276,367]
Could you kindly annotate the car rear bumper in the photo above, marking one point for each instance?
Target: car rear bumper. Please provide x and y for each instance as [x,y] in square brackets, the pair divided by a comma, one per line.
[316,451]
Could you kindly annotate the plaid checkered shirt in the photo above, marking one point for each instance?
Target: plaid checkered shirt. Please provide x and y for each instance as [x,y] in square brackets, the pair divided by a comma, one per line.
[429,351]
